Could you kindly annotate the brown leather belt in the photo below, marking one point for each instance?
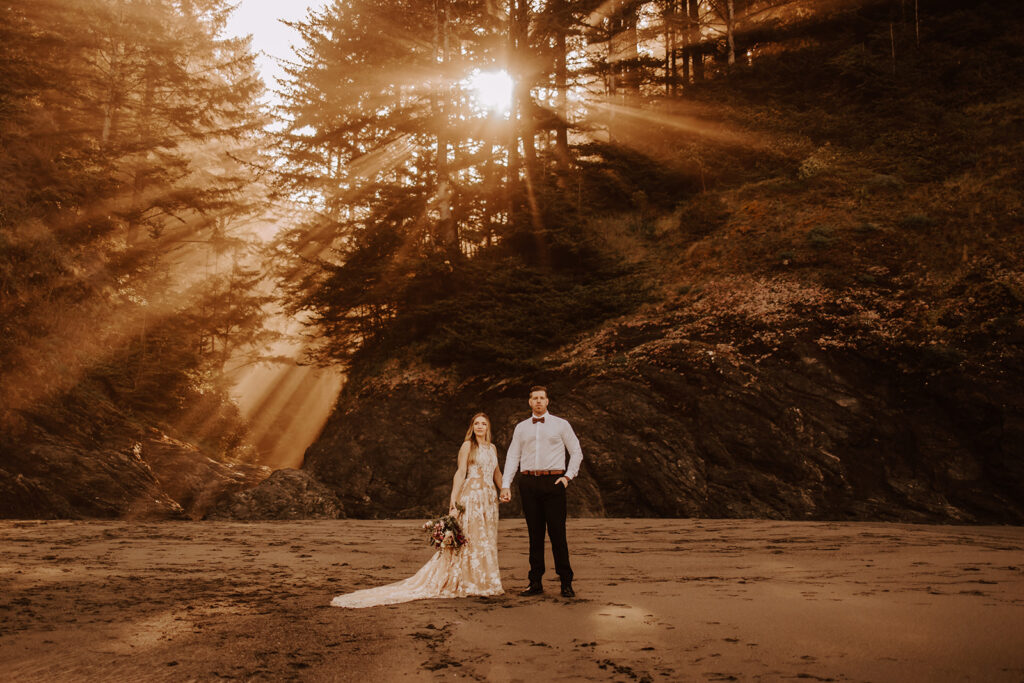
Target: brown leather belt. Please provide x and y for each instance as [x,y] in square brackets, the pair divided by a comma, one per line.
[541,473]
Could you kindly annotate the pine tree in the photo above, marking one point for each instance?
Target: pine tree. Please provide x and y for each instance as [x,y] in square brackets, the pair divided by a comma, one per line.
[131,127]
[405,181]
[377,142]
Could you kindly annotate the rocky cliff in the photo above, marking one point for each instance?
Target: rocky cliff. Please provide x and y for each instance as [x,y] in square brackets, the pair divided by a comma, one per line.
[60,473]
[285,494]
[832,323]
[730,403]
[795,291]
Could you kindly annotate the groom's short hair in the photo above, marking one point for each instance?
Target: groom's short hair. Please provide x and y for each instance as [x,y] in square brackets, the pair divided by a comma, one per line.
[538,387]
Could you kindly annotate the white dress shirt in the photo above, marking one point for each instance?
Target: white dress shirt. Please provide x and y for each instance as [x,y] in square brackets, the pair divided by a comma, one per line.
[542,446]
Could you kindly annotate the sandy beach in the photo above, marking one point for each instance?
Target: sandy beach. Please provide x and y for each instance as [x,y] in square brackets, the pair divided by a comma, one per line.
[657,600]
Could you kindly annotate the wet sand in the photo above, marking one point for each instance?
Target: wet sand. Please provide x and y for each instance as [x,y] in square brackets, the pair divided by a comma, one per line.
[657,600]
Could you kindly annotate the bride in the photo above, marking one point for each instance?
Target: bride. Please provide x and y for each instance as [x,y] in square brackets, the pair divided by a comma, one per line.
[473,570]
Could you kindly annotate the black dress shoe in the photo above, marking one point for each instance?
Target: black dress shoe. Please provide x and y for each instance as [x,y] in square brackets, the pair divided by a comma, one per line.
[567,591]
[534,589]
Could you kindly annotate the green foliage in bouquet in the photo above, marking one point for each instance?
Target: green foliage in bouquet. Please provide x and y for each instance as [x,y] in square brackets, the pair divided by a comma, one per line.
[446,531]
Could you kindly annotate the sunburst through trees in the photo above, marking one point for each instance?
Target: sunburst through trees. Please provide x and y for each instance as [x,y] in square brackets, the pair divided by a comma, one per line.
[429,138]
[434,165]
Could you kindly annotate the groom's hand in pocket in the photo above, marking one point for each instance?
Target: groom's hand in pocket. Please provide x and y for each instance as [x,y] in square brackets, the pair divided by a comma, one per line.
[564,481]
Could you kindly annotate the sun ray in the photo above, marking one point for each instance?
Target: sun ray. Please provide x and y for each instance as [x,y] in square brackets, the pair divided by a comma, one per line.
[286,427]
[701,127]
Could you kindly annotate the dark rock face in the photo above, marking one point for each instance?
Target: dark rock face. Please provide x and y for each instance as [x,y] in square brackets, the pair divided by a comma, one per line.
[391,446]
[150,476]
[286,494]
[194,480]
[51,479]
[672,424]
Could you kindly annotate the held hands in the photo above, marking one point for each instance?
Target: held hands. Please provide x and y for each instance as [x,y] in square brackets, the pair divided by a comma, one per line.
[506,494]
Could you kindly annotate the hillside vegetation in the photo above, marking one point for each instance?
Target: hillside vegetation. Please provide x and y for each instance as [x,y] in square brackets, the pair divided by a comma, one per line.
[817,309]
[773,270]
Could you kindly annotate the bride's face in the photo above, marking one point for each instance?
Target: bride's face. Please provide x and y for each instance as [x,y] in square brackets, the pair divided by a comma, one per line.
[480,427]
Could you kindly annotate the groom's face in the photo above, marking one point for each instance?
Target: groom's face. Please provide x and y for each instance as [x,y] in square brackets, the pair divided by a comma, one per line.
[539,402]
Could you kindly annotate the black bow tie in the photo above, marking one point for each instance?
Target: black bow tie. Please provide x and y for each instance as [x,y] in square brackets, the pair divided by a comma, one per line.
[537,419]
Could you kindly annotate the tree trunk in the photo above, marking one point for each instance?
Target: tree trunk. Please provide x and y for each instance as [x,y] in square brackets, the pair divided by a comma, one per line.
[675,64]
[561,90]
[447,231]
[134,238]
[512,170]
[892,42]
[113,104]
[696,48]
[730,22]
[527,131]
[520,19]
[669,18]
[629,51]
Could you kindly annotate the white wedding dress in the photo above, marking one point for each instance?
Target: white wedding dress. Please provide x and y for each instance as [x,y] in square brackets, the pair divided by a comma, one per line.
[473,570]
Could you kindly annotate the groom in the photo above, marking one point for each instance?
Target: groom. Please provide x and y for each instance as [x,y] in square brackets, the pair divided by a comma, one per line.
[537,452]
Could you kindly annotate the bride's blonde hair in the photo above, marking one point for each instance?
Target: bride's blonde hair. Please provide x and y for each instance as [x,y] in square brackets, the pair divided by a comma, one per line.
[471,437]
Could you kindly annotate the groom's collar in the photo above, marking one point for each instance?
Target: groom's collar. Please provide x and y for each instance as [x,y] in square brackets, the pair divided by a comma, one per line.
[540,417]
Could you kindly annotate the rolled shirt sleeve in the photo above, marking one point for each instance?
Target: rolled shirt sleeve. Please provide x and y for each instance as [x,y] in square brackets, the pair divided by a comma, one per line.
[572,444]
[512,459]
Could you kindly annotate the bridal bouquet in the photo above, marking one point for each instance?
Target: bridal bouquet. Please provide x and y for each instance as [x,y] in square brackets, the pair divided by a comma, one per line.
[445,531]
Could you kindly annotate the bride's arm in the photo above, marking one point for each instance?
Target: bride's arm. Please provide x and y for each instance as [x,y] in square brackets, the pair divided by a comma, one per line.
[460,475]
[498,474]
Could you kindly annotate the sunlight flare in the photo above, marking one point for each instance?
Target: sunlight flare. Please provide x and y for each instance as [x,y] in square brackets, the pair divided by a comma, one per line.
[492,90]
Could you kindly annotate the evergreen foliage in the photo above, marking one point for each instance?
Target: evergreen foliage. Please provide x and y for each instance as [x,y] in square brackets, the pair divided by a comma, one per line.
[425,204]
[129,128]
[649,148]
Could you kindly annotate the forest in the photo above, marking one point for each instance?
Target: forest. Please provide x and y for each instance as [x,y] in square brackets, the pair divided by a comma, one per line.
[746,222]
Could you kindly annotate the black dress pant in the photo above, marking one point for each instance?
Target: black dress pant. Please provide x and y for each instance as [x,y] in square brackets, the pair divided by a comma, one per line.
[544,508]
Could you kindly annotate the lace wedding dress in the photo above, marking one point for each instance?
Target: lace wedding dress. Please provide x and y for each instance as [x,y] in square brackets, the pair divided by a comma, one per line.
[473,570]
